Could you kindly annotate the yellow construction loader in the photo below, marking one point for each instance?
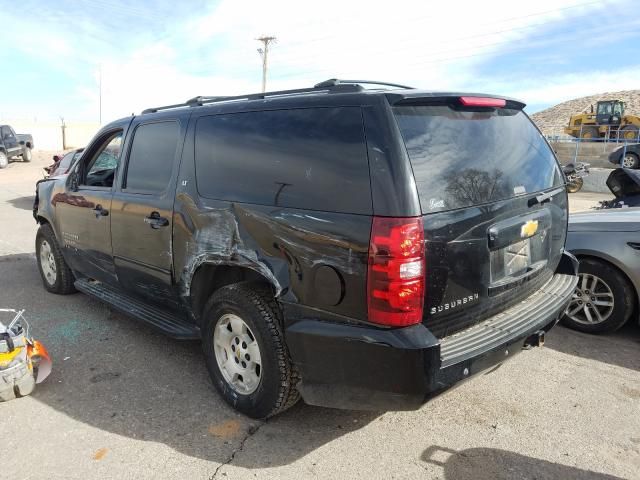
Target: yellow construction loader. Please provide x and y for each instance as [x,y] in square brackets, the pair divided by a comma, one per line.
[608,120]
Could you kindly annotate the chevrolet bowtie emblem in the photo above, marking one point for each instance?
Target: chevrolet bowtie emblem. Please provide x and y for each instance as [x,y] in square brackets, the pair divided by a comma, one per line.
[529,229]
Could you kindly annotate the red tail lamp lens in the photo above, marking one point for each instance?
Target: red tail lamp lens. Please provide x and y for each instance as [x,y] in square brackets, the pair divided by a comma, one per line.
[396,273]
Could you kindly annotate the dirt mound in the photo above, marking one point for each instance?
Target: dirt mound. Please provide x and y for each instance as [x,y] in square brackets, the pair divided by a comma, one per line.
[552,120]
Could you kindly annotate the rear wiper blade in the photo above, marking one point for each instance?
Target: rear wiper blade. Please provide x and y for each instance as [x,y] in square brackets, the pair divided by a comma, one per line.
[543,197]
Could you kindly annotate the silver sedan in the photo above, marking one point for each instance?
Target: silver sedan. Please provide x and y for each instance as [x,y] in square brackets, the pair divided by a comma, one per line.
[607,243]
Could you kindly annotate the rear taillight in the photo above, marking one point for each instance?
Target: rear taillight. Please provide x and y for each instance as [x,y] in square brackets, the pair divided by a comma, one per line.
[396,271]
[482,102]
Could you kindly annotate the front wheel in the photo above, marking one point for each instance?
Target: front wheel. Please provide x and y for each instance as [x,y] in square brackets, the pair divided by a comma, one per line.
[574,185]
[4,160]
[628,133]
[630,160]
[245,351]
[26,154]
[57,277]
[602,301]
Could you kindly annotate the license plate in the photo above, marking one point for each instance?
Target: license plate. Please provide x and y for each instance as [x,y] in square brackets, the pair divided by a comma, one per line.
[517,257]
[511,260]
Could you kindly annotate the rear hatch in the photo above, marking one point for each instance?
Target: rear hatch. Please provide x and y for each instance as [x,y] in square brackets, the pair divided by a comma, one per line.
[493,204]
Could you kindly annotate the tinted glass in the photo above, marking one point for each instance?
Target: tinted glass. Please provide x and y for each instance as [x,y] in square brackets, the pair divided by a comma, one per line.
[304,158]
[152,156]
[463,158]
[102,167]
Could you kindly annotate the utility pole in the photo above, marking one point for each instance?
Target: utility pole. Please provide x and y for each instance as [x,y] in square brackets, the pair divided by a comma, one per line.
[264,52]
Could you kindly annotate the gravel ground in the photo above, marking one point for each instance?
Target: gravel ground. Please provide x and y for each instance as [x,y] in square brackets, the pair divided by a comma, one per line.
[125,402]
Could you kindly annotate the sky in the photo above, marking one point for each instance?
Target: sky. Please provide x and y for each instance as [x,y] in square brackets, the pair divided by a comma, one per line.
[61,56]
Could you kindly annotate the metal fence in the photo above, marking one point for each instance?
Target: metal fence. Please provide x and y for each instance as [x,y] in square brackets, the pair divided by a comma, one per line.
[609,142]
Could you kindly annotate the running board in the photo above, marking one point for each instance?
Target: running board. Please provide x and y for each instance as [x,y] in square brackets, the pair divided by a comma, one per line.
[158,318]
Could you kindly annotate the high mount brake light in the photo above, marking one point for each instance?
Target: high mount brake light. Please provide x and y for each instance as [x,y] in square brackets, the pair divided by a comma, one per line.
[482,102]
[396,271]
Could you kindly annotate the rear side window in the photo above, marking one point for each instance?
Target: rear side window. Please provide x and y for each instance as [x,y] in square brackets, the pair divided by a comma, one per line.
[464,158]
[153,153]
[312,158]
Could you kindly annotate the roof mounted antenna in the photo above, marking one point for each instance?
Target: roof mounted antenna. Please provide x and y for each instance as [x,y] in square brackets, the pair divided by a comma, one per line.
[333,82]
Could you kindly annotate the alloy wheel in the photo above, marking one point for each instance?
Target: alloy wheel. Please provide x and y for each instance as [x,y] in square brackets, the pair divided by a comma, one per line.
[48,263]
[592,301]
[628,161]
[237,354]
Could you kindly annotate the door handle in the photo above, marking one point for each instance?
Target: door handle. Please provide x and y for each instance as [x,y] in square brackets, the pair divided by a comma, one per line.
[100,212]
[155,221]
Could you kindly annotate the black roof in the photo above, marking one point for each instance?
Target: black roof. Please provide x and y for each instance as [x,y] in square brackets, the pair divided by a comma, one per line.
[395,94]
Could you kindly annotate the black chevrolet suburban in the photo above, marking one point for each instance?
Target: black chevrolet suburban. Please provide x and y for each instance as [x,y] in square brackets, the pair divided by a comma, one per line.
[359,248]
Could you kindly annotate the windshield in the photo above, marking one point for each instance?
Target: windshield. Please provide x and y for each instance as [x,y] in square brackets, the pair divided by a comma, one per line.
[464,158]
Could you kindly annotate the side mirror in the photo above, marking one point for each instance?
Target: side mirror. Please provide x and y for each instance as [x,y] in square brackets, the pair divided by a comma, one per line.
[56,158]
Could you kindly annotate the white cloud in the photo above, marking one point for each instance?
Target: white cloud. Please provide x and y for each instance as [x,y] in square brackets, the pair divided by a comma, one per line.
[425,43]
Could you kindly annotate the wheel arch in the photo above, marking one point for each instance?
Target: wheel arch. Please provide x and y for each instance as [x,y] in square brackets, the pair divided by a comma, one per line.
[211,275]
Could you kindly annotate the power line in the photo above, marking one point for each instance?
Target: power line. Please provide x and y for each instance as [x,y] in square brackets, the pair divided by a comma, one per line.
[437,58]
[284,58]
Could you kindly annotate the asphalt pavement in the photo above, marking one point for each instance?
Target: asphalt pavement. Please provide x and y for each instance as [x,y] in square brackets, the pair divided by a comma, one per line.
[126,402]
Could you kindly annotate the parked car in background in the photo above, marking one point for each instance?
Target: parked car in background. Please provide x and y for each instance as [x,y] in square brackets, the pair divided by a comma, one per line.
[607,243]
[627,156]
[63,162]
[14,146]
[359,248]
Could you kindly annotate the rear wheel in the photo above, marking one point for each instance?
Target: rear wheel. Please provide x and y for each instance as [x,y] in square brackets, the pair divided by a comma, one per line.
[26,154]
[57,277]
[245,351]
[630,160]
[602,301]
[4,160]
[589,133]
[574,185]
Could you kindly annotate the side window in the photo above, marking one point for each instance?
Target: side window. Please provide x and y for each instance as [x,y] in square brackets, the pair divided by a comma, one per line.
[6,133]
[153,153]
[309,158]
[101,168]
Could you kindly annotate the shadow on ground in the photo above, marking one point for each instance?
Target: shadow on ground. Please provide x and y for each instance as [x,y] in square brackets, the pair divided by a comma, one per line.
[115,374]
[23,203]
[496,464]
[618,348]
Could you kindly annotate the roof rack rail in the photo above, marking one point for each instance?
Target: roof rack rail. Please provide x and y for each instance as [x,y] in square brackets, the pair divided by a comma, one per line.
[333,82]
[333,85]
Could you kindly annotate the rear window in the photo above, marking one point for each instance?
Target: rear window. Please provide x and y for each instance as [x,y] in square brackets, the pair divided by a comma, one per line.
[465,158]
[311,158]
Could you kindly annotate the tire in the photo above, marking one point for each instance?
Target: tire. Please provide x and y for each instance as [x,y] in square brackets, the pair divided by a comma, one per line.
[56,275]
[4,160]
[611,287]
[630,160]
[26,154]
[590,133]
[628,133]
[575,186]
[262,389]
